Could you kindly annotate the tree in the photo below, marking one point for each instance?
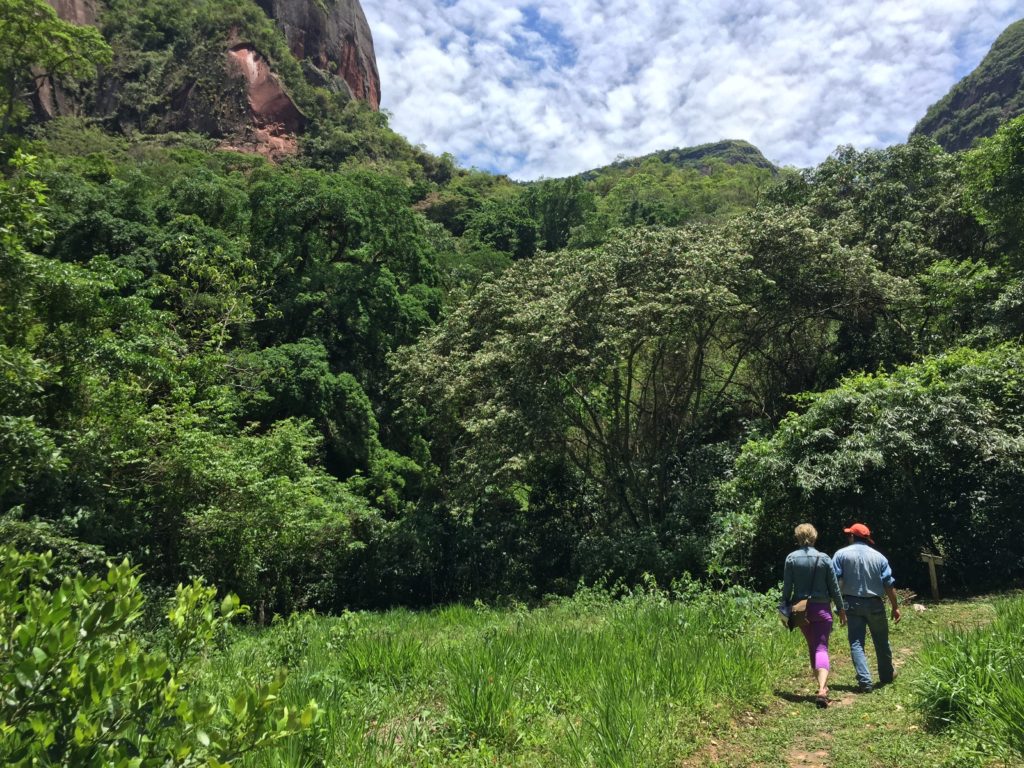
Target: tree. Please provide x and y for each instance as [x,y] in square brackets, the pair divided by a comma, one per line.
[994,173]
[35,45]
[618,364]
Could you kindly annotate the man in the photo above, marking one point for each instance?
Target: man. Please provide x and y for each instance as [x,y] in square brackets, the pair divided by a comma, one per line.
[864,576]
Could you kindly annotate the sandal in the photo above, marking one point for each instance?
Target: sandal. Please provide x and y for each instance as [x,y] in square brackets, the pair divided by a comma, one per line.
[821,701]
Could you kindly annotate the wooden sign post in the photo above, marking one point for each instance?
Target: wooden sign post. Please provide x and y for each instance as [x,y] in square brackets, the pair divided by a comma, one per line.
[932,561]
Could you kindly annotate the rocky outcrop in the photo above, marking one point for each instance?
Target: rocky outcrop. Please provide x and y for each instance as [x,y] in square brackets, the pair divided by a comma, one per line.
[229,93]
[274,115]
[78,11]
[270,103]
[51,100]
[333,38]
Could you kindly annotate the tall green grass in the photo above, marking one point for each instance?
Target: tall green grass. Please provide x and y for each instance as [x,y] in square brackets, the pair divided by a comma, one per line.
[973,682]
[594,680]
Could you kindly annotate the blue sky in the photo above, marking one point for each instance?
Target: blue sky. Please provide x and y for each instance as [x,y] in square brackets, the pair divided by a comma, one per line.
[545,89]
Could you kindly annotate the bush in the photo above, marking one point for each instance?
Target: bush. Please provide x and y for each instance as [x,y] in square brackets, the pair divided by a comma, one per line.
[929,456]
[78,688]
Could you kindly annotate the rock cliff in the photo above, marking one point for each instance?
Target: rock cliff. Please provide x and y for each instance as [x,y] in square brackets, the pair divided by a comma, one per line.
[333,38]
[77,11]
[230,92]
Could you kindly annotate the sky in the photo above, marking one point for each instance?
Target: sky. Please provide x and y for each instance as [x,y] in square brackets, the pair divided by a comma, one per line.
[548,89]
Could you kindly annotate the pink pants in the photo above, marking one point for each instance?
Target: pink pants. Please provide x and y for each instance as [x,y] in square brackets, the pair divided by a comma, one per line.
[820,617]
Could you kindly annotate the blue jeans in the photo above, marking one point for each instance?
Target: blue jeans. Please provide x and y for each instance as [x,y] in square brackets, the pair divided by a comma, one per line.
[863,614]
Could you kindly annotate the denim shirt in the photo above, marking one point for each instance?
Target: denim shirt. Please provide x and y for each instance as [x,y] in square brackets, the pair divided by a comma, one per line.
[862,570]
[797,578]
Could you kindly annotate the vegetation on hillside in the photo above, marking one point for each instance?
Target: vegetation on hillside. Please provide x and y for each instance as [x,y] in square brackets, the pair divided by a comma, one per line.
[985,99]
[366,377]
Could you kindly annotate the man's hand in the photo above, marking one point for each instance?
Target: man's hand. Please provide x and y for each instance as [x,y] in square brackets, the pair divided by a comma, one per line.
[896,614]
[842,617]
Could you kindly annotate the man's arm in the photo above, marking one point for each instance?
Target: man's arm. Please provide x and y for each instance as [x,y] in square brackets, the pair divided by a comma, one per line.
[888,581]
[890,592]
[833,591]
[837,564]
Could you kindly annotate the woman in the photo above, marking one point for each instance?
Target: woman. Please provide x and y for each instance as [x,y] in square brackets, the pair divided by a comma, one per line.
[809,574]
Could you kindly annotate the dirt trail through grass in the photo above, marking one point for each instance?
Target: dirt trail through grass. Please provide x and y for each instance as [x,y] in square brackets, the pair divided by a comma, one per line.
[876,730]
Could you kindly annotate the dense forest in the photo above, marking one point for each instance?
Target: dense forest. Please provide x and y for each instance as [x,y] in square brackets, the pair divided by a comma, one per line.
[351,374]
[364,376]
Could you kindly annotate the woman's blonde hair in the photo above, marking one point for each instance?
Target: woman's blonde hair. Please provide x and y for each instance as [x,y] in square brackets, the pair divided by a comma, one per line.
[806,534]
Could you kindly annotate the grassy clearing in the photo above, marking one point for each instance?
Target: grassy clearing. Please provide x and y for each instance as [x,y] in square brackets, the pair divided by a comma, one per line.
[588,681]
[705,680]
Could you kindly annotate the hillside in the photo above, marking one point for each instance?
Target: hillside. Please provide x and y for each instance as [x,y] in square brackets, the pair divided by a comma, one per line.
[989,96]
[459,386]
[729,151]
[256,75]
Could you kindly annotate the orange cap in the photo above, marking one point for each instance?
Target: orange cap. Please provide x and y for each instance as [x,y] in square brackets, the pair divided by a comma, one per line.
[860,530]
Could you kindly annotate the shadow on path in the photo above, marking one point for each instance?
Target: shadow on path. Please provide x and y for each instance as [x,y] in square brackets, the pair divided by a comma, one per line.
[795,698]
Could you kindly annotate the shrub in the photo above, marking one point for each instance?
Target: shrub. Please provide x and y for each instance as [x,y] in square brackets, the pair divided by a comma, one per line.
[78,688]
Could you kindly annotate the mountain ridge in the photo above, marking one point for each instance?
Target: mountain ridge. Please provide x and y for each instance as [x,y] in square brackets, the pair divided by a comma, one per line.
[978,104]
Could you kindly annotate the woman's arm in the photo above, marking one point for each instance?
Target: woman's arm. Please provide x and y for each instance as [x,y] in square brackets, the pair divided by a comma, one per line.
[787,581]
[833,584]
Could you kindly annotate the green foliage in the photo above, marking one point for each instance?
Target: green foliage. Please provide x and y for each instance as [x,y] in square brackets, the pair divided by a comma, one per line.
[229,368]
[36,46]
[974,683]
[610,366]
[701,157]
[656,190]
[77,688]
[136,377]
[349,264]
[995,187]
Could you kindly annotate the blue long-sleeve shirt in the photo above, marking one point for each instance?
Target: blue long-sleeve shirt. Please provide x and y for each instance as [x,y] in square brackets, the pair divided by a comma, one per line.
[862,570]
[801,578]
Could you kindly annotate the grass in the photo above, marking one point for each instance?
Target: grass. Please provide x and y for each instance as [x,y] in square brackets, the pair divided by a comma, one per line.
[884,729]
[587,681]
[973,684]
[644,680]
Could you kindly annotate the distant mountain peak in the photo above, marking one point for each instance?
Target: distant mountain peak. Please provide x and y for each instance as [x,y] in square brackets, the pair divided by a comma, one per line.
[729,151]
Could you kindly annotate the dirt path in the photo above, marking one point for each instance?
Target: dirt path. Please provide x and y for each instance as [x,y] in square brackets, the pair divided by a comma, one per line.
[876,730]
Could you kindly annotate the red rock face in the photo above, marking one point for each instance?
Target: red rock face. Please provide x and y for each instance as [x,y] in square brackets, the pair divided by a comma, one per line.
[335,38]
[332,39]
[270,104]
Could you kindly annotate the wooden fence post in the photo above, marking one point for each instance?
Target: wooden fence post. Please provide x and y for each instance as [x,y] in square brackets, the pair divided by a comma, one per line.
[933,560]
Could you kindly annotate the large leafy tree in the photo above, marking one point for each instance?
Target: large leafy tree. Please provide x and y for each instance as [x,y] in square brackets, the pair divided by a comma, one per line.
[349,263]
[35,45]
[615,364]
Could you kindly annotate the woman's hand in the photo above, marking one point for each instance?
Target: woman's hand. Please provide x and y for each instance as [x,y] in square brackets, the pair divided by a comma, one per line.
[842,617]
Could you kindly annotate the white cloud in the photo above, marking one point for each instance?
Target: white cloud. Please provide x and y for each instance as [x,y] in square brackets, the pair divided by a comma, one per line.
[547,89]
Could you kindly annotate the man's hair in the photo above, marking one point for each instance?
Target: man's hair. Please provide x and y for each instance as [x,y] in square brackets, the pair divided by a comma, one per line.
[806,534]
